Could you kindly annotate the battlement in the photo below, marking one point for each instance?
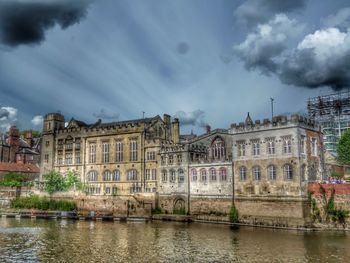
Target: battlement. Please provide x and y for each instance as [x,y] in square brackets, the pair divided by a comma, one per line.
[276,122]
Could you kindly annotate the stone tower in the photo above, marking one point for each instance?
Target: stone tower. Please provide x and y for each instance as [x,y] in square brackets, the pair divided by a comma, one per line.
[52,122]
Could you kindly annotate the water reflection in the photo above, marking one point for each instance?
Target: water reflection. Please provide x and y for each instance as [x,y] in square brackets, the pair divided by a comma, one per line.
[80,241]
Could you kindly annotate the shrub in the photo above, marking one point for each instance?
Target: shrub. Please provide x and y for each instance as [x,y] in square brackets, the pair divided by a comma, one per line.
[156,210]
[233,215]
[42,203]
[179,211]
[12,179]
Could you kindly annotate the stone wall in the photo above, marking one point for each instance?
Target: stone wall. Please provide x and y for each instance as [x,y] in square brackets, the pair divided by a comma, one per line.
[215,205]
[292,212]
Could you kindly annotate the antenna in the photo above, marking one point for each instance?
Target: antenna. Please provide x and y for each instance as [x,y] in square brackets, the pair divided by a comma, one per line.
[272,99]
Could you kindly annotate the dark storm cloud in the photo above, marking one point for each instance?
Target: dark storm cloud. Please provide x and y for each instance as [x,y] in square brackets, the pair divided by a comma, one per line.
[194,118]
[253,12]
[26,22]
[319,59]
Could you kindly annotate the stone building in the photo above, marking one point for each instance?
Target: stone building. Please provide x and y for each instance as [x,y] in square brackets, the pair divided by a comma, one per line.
[117,158]
[196,175]
[273,162]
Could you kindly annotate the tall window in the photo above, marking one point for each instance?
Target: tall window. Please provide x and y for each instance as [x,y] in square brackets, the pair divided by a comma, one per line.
[243,173]
[116,175]
[132,175]
[77,157]
[223,174]
[151,156]
[212,174]
[194,175]
[179,158]
[92,176]
[107,176]
[153,175]
[314,146]
[241,149]
[287,146]
[302,144]
[256,148]
[105,152]
[170,159]
[203,175]
[119,151]
[69,158]
[288,172]
[92,153]
[148,174]
[181,176]
[257,173]
[217,149]
[271,170]
[164,176]
[172,176]
[271,147]
[133,150]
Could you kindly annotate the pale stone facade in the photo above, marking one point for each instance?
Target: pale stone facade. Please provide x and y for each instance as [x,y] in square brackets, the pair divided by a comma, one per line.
[111,158]
[276,158]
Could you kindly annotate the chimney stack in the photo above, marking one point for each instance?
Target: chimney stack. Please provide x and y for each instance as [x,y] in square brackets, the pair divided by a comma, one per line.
[14,142]
[29,138]
[175,131]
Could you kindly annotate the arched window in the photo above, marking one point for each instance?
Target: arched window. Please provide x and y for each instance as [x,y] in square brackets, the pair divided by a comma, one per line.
[116,175]
[271,171]
[172,176]
[287,146]
[223,174]
[164,176]
[181,176]
[288,172]
[203,175]
[257,173]
[217,149]
[107,176]
[92,176]
[243,173]
[132,175]
[212,174]
[194,175]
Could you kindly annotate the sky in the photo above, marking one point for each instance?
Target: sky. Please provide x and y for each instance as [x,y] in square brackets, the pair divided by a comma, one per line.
[205,62]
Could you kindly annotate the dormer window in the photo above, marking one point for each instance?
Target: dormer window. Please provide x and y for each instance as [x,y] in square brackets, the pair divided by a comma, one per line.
[217,149]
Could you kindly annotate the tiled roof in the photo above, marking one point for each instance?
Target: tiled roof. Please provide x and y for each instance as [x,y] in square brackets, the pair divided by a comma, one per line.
[18,167]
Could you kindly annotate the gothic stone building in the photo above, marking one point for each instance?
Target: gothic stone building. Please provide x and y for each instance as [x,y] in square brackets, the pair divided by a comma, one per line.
[115,158]
[273,162]
[196,175]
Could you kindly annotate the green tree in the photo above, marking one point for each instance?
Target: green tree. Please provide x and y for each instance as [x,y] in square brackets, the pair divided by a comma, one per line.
[12,179]
[343,149]
[54,182]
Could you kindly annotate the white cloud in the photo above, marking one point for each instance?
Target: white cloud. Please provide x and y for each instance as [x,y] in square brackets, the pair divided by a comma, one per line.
[8,117]
[37,120]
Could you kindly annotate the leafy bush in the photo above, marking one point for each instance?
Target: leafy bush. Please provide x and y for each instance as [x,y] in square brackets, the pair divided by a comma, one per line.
[42,203]
[156,210]
[55,182]
[12,179]
[179,211]
[233,215]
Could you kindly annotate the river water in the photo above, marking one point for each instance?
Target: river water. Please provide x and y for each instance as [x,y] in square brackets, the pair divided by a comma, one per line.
[25,240]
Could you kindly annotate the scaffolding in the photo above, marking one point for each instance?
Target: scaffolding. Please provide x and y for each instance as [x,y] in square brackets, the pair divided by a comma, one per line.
[333,113]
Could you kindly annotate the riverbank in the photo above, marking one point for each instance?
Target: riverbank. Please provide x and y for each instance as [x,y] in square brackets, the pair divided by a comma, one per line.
[92,216]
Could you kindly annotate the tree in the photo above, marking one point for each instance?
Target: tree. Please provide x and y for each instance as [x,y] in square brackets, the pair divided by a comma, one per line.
[54,182]
[343,149]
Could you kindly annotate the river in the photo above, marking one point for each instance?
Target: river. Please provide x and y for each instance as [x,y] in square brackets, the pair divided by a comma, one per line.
[25,240]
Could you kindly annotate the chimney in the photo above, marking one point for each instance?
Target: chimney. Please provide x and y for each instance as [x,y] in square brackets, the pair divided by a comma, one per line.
[29,138]
[166,119]
[14,142]
[208,129]
[175,131]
